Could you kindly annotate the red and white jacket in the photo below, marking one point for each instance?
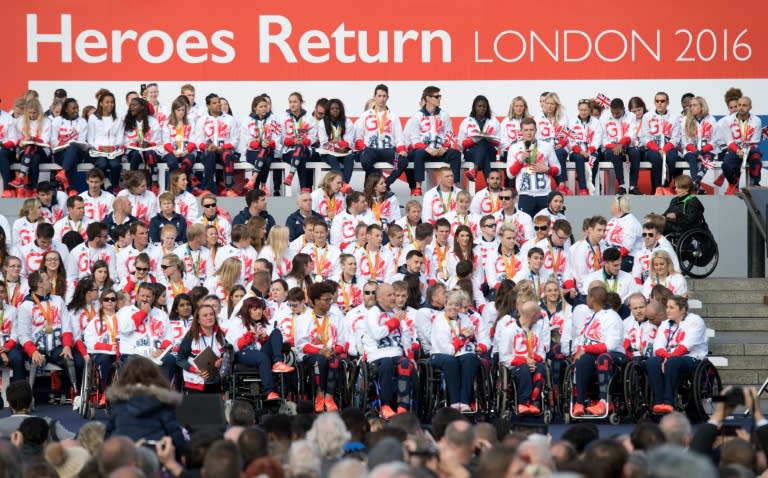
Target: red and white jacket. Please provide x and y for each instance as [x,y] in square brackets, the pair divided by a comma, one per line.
[517,345]
[518,166]
[296,131]
[430,130]
[598,332]
[386,211]
[104,132]
[31,256]
[586,259]
[8,328]
[97,208]
[9,134]
[23,232]
[127,255]
[326,206]
[436,203]
[660,131]
[706,139]
[350,295]
[254,131]
[65,224]
[64,131]
[739,134]
[499,266]
[281,266]
[334,138]
[642,266]
[586,136]
[550,133]
[179,138]
[15,292]
[622,130]
[343,227]
[471,220]
[470,127]
[246,338]
[325,260]
[139,329]
[222,225]
[379,131]
[198,263]
[625,233]
[75,323]
[485,202]
[143,207]
[37,133]
[55,211]
[521,221]
[245,255]
[353,328]
[152,136]
[32,322]
[101,335]
[384,335]
[374,266]
[623,283]
[188,282]
[675,283]
[452,337]
[314,333]
[688,338]
[510,133]
[192,380]
[557,262]
[217,130]
[82,257]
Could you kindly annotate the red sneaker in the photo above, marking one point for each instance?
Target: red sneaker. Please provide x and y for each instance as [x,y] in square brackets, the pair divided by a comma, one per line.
[662,408]
[288,179]
[319,403]
[401,410]
[345,188]
[103,400]
[565,190]
[598,409]
[55,381]
[197,192]
[61,178]
[272,396]
[578,410]
[71,193]
[583,192]
[387,412]
[282,367]
[19,182]
[265,189]
[330,404]
[306,190]
[155,189]
[470,174]
[229,193]
[9,193]
[719,180]
[251,184]
[523,409]
[533,409]
[732,189]
[416,192]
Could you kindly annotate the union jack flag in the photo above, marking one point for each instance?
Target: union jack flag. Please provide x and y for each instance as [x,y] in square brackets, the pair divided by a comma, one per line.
[566,134]
[603,100]
[707,163]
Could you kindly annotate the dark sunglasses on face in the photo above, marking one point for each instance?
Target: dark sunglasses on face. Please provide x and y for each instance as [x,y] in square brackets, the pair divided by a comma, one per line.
[540,228]
[142,269]
[209,205]
[649,234]
[109,299]
[369,292]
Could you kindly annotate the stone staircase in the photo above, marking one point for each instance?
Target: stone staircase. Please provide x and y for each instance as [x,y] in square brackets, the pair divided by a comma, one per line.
[734,309]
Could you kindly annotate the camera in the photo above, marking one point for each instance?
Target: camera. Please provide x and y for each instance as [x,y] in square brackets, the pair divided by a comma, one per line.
[732,398]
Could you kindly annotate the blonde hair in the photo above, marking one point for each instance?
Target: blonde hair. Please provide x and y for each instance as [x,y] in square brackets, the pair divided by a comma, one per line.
[558,106]
[278,240]
[662,254]
[33,104]
[175,261]
[456,296]
[464,194]
[229,272]
[511,113]
[175,174]
[28,205]
[690,120]
[325,184]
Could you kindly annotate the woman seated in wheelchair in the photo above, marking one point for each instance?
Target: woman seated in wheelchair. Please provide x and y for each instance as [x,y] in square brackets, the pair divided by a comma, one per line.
[257,343]
[387,344]
[454,350]
[680,343]
[522,351]
[639,331]
[204,332]
[685,211]
[100,337]
[599,346]
[316,345]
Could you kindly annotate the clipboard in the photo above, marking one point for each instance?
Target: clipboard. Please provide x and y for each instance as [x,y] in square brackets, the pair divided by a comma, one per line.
[206,360]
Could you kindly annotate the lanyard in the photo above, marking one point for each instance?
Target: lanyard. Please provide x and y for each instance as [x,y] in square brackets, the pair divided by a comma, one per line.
[536,283]
[381,121]
[376,209]
[11,299]
[319,262]
[409,232]
[455,333]
[446,207]
[744,128]
[510,265]
[615,286]
[555,261]
[373,266]
[587,324]
[495,204]
[335,130]
[672,334]
[322,328]
[111,324]
[441,257]
[178,288]
[47,313]
[331,205]
[195,262]
[72,228]
[346,292]
[597,259]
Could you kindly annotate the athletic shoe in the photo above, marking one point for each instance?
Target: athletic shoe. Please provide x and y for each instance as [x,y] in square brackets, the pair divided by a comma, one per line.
[523,409]
[330,403]
[401,409]
[598,409]
[229,193]
[416,192]
[288,179]
[662,408]
[9,193]
[76,402]
[251,184]
[387,412]
[622,191]
[533,409]
[464,408]
[282,367]
[272,396]
[565,190]
[319,403]
[578,410]
[71,193]
[583,192]
[471,175]
[306,190]
[19,182]
[635,192]
[345,188]
[719,180]
[61,178]
[732,189]
[103,400]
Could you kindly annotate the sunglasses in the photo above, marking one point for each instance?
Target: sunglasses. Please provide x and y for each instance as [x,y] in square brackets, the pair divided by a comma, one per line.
[109,299]
[489,225]
[436,96]
[505,198]
[369,292]
[164,266]
[142,269]
[209,205]
[540,228]
[649,234]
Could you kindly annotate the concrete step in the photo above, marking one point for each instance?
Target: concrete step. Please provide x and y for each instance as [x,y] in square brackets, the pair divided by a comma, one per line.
[729,296]
[736,324]
[724,284]
[753,338]
[733,310]
[741,377]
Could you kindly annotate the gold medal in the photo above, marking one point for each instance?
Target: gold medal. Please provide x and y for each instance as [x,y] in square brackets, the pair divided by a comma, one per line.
[319,278]
[48,329]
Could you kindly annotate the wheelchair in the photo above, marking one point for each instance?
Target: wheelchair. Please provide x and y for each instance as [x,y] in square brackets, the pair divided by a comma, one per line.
[344,393]
[696,250]
[93,389]
[693,393]
[245,384]
[621,404]
[505,397]
[433,394]
[364,387]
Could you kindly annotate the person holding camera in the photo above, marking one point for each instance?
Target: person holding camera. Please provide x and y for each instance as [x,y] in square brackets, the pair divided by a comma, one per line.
[680,343]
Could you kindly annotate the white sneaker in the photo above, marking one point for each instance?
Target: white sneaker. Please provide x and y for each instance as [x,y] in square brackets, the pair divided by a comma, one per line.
[76,403]
[456,406]
[464,408]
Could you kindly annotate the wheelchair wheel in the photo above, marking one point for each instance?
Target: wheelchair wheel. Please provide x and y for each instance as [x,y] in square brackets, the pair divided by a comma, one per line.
[483,389]
[706,385]
[362,386]
[568,392]
[424,390]
[501,399]
[634,390]
[86,410]
[698,253]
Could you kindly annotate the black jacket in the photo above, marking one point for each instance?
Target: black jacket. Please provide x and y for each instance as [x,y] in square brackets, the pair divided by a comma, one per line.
[295,223]
[689,214]
[244,216]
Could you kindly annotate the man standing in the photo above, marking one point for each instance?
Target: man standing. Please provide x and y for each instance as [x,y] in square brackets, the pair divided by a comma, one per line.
[533,164]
